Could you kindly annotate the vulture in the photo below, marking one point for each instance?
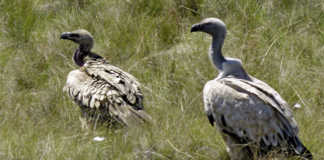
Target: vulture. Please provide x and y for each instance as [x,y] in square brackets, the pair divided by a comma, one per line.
[106,94]
[252,118]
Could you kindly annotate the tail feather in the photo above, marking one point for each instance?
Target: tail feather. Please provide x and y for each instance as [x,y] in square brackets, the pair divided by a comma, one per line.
[140,116]
[307,154]
[129,116]
[299,149]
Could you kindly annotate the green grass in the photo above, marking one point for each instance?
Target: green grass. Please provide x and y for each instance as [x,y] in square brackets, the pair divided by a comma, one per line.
[280,42]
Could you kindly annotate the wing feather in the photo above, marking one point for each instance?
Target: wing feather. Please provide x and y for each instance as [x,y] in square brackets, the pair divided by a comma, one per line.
[249,111]
[122,81]
[266,94]
[102,87]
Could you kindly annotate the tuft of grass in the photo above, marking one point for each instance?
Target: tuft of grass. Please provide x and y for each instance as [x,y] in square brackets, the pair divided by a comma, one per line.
[280,42]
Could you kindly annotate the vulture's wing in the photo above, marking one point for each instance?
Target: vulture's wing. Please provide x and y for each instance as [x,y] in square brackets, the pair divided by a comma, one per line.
[250,110]
[123,82]
[99,85]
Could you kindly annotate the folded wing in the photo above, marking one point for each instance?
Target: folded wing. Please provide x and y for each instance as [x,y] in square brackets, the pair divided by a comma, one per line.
[107,90]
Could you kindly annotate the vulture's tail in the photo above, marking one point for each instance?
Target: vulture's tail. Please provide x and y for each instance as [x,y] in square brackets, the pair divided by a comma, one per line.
[129,116]
[299,149]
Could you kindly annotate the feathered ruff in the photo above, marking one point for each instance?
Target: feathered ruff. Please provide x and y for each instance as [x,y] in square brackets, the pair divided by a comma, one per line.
[106,93]
[252,113]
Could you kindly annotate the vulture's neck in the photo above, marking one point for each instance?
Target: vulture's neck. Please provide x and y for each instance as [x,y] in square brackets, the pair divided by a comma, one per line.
[79,56]
[82,52]
[226,66]
[215,52]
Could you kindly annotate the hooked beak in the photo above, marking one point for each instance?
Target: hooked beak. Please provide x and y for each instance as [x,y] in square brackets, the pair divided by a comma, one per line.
[196,27]
[65,35]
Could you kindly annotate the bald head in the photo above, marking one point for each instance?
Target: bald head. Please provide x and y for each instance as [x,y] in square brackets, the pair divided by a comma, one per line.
[81,36]
[212,26]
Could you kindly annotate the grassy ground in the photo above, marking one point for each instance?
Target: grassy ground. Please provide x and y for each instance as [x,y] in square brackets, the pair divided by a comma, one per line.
[280,42]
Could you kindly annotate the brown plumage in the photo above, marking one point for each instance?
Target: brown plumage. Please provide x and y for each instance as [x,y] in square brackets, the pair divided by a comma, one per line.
[105,93]
[251,116]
